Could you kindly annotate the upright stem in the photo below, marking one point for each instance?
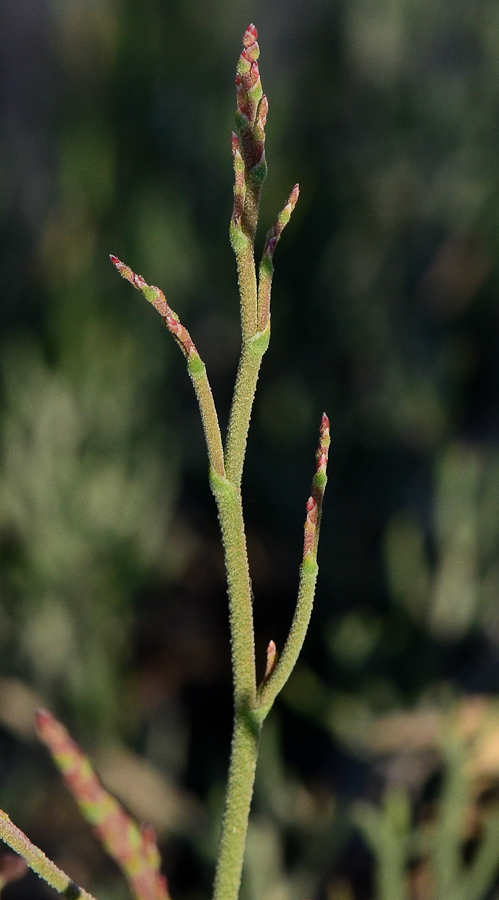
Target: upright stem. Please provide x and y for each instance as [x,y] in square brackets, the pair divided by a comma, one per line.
[244,752]
[247,722]
[242,403]
[230,513]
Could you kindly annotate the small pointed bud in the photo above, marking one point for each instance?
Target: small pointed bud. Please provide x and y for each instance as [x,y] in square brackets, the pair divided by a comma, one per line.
[261,119]
[280,223]
[124,270]
[271,660]
[250,37]
[319,482]
[310,526]
[266,265]
[239,182]
[235,144]
[314,503]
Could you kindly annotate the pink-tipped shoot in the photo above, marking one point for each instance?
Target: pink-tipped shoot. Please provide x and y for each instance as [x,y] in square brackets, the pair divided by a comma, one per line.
[279,225]
[314,502]
[271,660]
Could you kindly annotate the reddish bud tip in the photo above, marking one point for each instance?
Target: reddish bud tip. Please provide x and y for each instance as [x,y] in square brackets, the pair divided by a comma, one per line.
[263,111]
[42,717]
[271,660]
[325,422]
[250,37]
[293,197]
[115,261]
[148,834]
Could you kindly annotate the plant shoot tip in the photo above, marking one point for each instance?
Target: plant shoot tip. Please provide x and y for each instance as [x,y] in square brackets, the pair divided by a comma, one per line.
[271,660]
[42,716]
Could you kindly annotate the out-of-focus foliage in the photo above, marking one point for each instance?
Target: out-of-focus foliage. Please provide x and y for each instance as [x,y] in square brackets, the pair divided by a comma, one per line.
[84,503]
[116,120]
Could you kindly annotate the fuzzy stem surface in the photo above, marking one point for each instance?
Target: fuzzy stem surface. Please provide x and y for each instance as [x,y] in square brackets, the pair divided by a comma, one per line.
[242,403]
[38,862]
[230,513]
[244,753]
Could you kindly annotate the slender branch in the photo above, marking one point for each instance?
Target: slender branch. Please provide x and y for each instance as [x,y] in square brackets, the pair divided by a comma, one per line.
[242,403]
[38,862]
[195,364]
[230,512]
[266,266]
[308,576]
[133,847]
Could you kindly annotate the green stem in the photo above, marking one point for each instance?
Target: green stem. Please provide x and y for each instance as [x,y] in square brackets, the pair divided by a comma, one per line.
[38,862]
[244,393]
[301,619]
[244,752]
[243,248]
[211,427]
[230,512]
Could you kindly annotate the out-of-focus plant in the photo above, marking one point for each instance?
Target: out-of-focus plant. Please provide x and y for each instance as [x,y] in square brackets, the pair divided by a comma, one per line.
[133,848]
[441,858]
[447,576]
[84,508]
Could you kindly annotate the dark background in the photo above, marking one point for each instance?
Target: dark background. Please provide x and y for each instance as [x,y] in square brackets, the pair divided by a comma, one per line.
[115,138]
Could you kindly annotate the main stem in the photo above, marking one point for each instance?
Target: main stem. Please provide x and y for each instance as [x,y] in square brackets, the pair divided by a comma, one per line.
[247,722]
[244,753]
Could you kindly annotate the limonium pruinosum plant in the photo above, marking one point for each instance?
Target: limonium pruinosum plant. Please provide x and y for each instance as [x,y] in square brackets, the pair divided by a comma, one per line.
[132,847]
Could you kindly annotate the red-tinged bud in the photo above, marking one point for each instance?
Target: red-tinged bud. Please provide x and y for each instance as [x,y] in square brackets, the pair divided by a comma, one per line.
[254,73]
[271,660]
[148,833]
[46,725]
[279,225]
[250,38]
[314,503]
[124,270]
[239,182]
[263,111]
[250,35]
[310,527]
[324,442]
[293,197]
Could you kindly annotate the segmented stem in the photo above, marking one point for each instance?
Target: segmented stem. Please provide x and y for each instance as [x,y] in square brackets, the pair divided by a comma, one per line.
[308,576]
[195,365]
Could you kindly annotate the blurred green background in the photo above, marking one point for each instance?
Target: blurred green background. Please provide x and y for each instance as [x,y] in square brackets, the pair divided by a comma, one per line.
[115,138]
